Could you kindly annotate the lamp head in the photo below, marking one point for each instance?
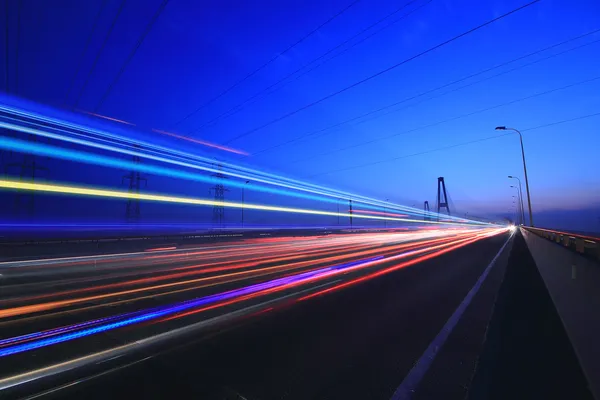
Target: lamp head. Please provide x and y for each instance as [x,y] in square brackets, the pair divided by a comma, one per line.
[500,128]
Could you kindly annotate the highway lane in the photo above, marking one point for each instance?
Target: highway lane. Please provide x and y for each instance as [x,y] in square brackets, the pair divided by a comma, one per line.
[268,274]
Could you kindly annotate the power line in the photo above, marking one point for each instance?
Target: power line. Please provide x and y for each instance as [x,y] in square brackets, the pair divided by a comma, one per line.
[370,77]
[302,39]
[456,145]
[85,48]
[485,109]
[564,121]
[442,87]
[110,29]
[443,94]
[132,53]
[238,107]
[6,43]
[17,47]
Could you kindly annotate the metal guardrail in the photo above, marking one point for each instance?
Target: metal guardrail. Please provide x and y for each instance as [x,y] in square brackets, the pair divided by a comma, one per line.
[582,244]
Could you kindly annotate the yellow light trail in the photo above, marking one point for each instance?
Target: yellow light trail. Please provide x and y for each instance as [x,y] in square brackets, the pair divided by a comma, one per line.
[86,191]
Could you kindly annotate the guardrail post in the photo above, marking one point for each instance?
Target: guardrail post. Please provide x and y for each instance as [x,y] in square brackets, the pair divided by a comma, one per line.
[579,245]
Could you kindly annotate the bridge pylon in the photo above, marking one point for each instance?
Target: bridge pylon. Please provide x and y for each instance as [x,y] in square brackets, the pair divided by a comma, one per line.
[442,196]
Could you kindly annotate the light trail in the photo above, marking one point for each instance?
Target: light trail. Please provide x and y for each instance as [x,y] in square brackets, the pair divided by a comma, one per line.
[202,142]
[106,193]
[379,213]
[375,257]
[173,156]
[135,151]
[396,267]
[107,161]
[57,336]
[106,117]
[290,249]
[201,269]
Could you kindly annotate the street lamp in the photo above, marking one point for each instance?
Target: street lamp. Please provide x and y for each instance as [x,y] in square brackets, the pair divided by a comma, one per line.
[519,208]
[516,198]
[245,183]
[520,194]
[521,202]
[504,128]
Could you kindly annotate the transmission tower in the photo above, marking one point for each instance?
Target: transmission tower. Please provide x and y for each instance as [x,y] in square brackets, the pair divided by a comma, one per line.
[132,210]
[441,192]
[426,216]
[219,193]
[350,209]
[27,167]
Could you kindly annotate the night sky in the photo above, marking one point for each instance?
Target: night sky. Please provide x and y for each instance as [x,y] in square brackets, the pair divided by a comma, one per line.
[235,73]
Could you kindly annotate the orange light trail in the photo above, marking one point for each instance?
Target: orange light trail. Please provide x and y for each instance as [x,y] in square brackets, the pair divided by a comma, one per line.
[16,311]
[341,248]
[398,266]
[202,142]
[277,265]
[108,118]
[162,249]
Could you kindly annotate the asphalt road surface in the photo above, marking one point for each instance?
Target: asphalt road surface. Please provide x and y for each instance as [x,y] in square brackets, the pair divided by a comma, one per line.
[333,317]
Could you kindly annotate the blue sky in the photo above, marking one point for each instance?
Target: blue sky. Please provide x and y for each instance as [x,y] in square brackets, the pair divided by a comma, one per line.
[197,50]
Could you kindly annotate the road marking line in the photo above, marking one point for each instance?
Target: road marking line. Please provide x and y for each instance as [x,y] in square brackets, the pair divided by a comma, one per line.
[412,380]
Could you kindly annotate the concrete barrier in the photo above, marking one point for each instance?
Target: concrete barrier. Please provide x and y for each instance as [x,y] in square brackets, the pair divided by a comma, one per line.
[573,281]
[587,245]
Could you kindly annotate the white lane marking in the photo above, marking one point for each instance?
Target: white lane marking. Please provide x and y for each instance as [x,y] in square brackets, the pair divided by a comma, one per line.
[411,381]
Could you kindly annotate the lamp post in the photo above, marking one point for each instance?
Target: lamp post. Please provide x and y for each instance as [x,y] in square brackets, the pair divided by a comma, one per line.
[516,198]
[520,194]
[504,128]
[520,216]
[520,202]
[245,183]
